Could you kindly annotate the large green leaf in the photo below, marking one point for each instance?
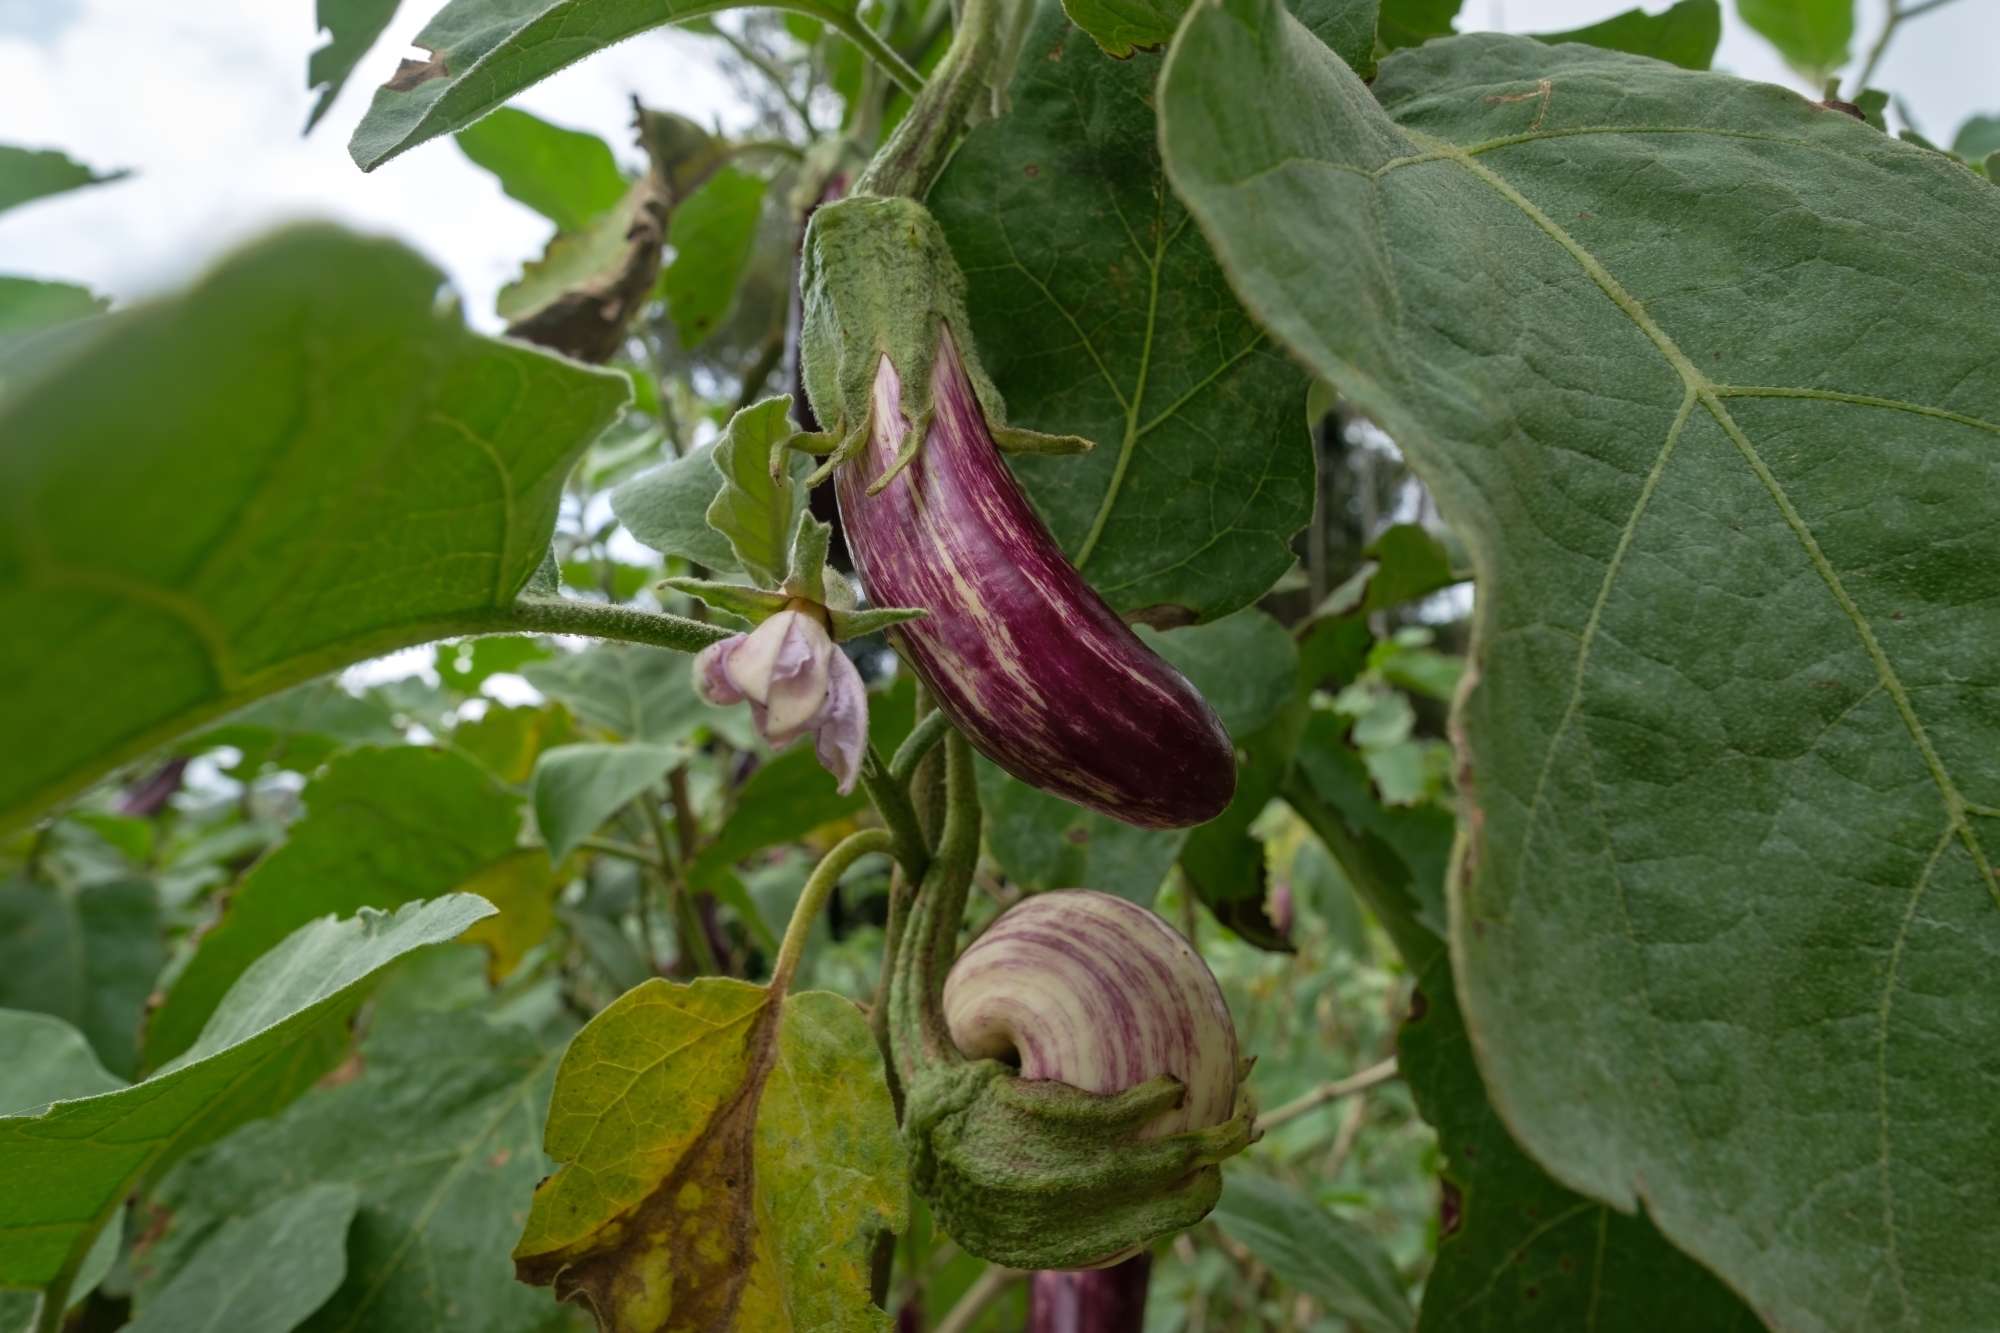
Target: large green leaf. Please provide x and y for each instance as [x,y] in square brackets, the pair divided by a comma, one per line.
[1313,1251]
[1685,34]
[728,1158]
[712,232]
[1519,1253]
[568,176]
[1100,312]
[578,787]
[1811,34]
[27,174]
[69,1167]
[440,1137]
[351,27]
[88,954]
[266,1270]
[382,827]
[1732,749]
[308,460]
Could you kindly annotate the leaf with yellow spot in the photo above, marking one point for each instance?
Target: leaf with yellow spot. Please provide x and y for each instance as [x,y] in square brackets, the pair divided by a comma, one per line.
[523,886]
[727,1162]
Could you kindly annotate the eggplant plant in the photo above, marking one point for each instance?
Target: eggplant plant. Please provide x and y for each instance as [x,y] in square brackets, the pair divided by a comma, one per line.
[1232,664]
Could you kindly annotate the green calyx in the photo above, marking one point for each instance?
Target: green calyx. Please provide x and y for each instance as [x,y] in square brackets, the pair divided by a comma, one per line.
[880,281]
[1030,1173]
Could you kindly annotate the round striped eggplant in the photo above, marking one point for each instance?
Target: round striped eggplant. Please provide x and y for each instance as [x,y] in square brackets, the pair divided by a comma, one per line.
[1019,652]
[1099,993]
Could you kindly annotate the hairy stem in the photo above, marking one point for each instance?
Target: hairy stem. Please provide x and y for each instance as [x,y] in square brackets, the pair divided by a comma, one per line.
[929,942]
[923,140]
[927,733]
[1307,1103]
[812,898]
[892,801]
[563,615]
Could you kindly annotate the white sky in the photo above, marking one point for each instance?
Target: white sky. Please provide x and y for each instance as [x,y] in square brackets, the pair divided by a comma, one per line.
[204,99]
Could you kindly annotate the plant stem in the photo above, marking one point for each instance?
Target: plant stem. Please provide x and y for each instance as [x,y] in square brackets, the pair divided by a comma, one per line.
[923,140]
[892,802]
[1333,1091]
[624,851]
[756,59]
[928,732]
[812,898]
[929,942]
[564,615]
[1898,16]
[849,25]
[990,1286]
[687,923]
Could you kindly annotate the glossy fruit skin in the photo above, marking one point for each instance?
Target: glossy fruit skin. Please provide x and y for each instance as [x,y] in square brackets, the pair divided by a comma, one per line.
[1018,651]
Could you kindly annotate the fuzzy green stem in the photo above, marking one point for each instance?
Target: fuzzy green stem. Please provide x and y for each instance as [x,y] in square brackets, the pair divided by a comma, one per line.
[922,142]
[892,802]
[929,942]
[849,25]
[540,615]
[928,732]
[813,898]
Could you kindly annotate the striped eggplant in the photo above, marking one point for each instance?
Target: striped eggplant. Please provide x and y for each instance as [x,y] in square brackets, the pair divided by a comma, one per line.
[1019,652]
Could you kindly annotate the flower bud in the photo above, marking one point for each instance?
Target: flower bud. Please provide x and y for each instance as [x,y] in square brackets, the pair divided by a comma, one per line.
[797,683]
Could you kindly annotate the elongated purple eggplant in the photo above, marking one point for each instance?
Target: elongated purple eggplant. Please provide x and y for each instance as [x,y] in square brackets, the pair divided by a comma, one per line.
[1021,654]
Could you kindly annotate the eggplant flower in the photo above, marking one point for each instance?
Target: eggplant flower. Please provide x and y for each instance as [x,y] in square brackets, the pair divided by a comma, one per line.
[797,683]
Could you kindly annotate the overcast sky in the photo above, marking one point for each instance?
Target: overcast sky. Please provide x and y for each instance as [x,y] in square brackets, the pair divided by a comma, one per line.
[204,100]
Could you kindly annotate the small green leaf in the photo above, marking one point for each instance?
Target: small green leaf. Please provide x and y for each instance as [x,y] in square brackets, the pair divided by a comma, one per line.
[382,827]
[755,511]
[1402,565]
[506,742]
[1100,311]
[27,174]
[568,176]
[43,1059]
[28,306]
[578,787]
[786,798]
[727,1159]
[465,665]
[666,508]
[853,624]
[634,692]
[352,27]
[88,954]
[1121,27]
[1222,859]
[301,728]
[755,605]
[1414,22]
[309,461]
[266,1270]
[1313,1251]
[1686,34]
[1978,138]
[712,233]
[1812,35]
[805,569]
[70,1166]
[441,1138]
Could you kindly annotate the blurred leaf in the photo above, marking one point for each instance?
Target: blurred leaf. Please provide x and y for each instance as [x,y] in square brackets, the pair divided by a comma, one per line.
[440,1137]
[753,510]
[1244,664]
[788,797]
[28,306]
[589,257]
[578,787]
[88,955]
[712,232]
[1313,1251]
[1686,34]
[1416,839]
[666,508]
[1044,842]
[568,176]
[465,665]
[1977,138]
[1346,26]
[266,1270]
[27,174]
[634,692]
[506,741]
[608,948]
[738,1179]
[1414,22]
[352,27]
[522,888]
[299,729]
[1402,565]
[382,827]
[1100,311]
[1223,861]
[1812,35]
[1519,1253]
[68,1167]
[290,440]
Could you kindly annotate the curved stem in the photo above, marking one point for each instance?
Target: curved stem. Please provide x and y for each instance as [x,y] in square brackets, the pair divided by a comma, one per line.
[892,802]
[849,25]
[813,897]
[928,732]
[929,942]
[923,140]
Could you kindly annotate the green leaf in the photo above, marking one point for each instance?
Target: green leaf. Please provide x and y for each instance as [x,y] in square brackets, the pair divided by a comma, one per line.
[755,605]
[27,174]
[727,1161]
[712,232]
[267,1270]
[1044,842]
[1100,312]
[382,827]
[506,742]
[755,511]
[43,1059]
[1414,22]
[1731,764]
[1222,860]
[1313,1251]
[28,306]
[634,692]
[301,728]
[439,1136]
[568,176]
[1244,664]
[578,787]
[788,797]
[352,27]
[666,508]
[1812,35]
[1977,138]
[1121,27]
[1686,34]
[465,665]
[87,954]
[591,257]
[1346,26]
[1518,1253]
[308,461]
[69,1167]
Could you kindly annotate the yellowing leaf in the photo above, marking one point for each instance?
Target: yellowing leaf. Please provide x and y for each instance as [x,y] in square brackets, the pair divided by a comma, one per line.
[523,886]
[727,1164]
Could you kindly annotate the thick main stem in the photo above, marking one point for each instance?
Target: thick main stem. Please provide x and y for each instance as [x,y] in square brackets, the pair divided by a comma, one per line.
[918,149]
[929,942]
